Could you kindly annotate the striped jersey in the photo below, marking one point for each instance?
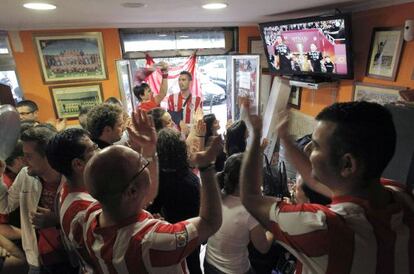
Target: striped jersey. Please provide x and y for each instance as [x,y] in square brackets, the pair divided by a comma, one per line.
[349,236]
[176,102]
[139,244]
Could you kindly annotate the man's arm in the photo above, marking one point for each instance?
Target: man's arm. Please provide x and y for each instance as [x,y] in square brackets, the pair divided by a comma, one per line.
[210,216]
[298,158]
[164,84]
[251,176]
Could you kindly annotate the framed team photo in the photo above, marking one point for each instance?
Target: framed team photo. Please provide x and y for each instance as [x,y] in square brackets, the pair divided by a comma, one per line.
[71,57]
[68,99]
[377,93]
[255,46]
[385,52]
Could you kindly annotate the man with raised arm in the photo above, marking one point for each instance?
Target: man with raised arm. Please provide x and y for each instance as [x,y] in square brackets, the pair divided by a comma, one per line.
[368,227]
[120,235]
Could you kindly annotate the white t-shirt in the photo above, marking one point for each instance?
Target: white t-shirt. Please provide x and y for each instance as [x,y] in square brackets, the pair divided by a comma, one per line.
[227,249]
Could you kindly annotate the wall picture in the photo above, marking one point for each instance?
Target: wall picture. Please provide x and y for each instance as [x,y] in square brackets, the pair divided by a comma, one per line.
[294,97]
[377,93]
[385,53]
[255,46]
[67,100]
[70,58]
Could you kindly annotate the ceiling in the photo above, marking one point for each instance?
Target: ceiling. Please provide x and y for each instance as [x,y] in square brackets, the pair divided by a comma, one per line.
[167,13]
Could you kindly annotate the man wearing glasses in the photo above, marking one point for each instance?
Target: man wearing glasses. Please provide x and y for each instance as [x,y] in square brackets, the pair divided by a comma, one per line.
[28,110]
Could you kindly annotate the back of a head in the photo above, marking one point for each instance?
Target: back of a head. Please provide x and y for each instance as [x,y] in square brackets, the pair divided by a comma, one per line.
[101,116]
[171,150]
[28,103]
[230,176]
[139,90]
[366,130]
[113,101]
[209,121]
[108,172]
[156,114]
[236,138]
[64,147]
[26,124]
[40,135]
[17,152]
[83,112]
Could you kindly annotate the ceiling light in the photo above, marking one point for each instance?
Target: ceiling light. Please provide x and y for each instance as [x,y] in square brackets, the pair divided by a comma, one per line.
[134,5]
[215,5]
[162,35]
[39,6]
[183,36]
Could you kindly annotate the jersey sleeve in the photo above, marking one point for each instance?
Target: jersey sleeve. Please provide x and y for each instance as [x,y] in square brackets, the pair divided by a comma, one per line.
[169,243]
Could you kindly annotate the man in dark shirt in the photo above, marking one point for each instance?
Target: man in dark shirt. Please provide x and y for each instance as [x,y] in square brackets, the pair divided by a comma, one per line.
[329,65]
[314,59]
[282,56]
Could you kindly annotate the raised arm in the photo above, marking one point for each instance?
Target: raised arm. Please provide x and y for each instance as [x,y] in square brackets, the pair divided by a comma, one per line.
[298,158]
[143,138]
[164,84]
[251,176]
[210,217]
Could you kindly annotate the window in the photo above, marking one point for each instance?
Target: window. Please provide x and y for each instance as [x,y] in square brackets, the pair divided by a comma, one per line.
[171,42]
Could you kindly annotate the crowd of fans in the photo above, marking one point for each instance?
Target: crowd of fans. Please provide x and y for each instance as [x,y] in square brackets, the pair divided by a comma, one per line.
[140,194]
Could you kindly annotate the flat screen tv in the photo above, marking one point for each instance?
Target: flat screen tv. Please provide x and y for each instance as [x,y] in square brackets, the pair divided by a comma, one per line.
[314,46]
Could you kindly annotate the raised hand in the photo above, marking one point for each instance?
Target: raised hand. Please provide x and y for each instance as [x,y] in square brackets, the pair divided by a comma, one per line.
[254,122]
[198,115]
[204,158]
[200,128]
[163,66]
[142,134]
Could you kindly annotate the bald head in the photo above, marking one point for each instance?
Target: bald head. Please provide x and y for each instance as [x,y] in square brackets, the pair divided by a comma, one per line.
[111,171]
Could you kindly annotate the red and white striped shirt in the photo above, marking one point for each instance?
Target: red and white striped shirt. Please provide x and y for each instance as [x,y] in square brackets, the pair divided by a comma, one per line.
[349,236]
[176,102]
[140,244]
[73,203]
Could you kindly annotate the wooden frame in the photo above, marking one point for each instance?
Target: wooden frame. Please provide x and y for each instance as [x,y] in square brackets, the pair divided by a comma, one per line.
[376,93]
[255,46]
[295,97]
[73,57]
[67,99]
[385,53]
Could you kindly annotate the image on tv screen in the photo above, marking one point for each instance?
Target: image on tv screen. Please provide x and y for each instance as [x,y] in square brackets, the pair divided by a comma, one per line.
[318,47]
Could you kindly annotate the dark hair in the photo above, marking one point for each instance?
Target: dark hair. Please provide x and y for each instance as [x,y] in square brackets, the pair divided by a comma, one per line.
[236,138]
[26,124]
[171,150]
[17,152]
[41,135]
[366,130]
[229,178]
[65,147]
[209,120]
[140,90]
[184,72]
[101,116]
[28,103]
[114,101]
[156,114]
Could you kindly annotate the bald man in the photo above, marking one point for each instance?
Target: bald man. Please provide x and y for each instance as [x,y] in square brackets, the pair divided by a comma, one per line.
[121,235]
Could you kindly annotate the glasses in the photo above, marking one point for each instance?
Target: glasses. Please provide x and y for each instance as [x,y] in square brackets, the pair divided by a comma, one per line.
[144,164]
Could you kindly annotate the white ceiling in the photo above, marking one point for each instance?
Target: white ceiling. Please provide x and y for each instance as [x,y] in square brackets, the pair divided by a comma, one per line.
[166,13]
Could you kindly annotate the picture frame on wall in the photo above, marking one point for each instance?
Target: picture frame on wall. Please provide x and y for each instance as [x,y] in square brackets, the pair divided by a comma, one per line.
[71,57]
[68,99]
[385,53]
[255,46]
[377,93]
[245,83]
[295,97]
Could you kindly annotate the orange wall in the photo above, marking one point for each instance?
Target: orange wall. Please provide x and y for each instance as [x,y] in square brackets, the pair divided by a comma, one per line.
[30,77]
[362,24]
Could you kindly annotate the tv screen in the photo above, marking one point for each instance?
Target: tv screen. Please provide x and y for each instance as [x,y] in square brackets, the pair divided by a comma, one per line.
[314,46]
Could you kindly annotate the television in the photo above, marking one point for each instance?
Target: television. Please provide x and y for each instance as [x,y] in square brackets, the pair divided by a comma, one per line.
[313,47]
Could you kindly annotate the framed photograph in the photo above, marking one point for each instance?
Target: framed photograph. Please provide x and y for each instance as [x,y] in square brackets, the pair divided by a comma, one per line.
[377,93]
[245,83]
[385,52]
[72,57]
[67,100]
[294,97]
[255,46]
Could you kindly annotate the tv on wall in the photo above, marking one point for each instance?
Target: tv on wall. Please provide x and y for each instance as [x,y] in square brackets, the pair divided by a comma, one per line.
[313,46]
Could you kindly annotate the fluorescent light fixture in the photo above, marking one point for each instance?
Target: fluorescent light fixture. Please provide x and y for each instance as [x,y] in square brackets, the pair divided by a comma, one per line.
[215,6]
[162,35]
[39,6]
[183,36]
